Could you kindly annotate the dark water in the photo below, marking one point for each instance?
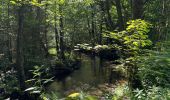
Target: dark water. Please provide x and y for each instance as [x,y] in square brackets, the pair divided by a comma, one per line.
[93,71]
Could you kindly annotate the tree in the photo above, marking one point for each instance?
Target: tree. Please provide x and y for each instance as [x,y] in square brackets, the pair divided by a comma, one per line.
[119,13]
[61,35]
[20,52]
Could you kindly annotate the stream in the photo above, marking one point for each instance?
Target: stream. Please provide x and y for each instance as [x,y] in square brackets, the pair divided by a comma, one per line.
[93,72]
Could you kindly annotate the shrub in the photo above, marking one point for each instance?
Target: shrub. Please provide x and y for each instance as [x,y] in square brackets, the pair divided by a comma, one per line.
[134,38]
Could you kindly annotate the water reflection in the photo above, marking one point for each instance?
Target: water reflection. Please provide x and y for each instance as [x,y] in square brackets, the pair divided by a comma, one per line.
[93,71]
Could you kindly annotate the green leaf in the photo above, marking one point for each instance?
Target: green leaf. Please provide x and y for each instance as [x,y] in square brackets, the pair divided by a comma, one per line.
[36,92]
[13,2]
[31,88]
[61,2]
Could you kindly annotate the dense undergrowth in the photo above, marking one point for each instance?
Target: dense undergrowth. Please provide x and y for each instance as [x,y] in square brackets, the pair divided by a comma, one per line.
[154,69]
[145,65]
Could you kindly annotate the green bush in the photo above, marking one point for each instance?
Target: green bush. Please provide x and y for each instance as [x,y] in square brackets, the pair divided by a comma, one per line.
[152,93]
[134,38]
[154,68]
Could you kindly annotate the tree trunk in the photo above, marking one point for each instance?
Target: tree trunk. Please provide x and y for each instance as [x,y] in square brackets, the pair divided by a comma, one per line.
[9,35]
[101,30]
[101,21]
[56,30]
[92,26]
[37,42]
[137,9]
[88,26]
[20,52]
[45,43]
[109,17]
[61,36]
[119,13]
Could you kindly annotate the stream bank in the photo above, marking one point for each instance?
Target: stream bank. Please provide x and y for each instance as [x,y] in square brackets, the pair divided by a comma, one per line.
[94,75]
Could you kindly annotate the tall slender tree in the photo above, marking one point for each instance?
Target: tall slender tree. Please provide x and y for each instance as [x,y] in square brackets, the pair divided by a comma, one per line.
[20,51]
[119,13]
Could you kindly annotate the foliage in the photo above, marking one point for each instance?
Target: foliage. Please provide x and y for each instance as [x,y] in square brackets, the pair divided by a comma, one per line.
[80,96]
[101,47]
[45,24]
[52,51]
[74,95]
[38,81]
[8,77]
[88,47]
[137,36]
[154,68]
[49,96]
[8,82]
[83,46]
[134,38]
[152,93]
[21,2]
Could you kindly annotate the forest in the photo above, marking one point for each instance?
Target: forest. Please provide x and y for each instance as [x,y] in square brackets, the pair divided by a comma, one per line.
[84,49]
